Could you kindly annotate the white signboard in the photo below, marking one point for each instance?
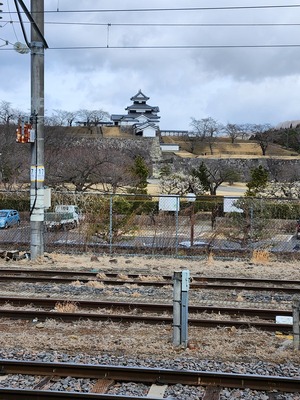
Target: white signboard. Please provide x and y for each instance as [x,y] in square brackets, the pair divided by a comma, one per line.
[37,173]
[169,203]
[229,206]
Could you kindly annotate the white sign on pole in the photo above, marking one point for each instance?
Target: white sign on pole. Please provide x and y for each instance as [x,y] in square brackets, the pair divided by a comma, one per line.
[169,203]
[228,205]
[37,173]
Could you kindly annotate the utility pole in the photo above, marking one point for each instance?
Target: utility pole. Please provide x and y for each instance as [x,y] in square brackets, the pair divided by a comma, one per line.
[37,175]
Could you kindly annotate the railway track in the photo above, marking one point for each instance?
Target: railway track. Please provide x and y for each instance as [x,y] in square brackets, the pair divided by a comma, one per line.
[215,283]
[50,303]
[122,317]
[209,383]
[126,312]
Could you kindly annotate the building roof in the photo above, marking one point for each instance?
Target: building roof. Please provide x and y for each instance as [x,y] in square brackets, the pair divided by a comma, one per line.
[139,97]
[116,117]
[139,106]
[137,109]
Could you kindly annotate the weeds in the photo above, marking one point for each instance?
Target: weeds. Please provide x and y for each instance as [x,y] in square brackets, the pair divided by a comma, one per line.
[66,306]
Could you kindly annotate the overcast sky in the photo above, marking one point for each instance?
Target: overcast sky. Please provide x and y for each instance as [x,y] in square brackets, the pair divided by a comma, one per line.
[118,55]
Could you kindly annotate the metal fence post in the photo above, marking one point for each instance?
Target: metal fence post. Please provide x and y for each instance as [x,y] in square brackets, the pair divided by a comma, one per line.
[296,304]
[180,307]
[176,308]
[185,284]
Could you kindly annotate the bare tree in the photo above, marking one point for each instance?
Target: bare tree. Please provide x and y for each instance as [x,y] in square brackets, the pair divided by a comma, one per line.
[92,117]
[8,114]
[263,134]
[246,130]
[84,164]
[233,131]
[63,118]
[206,129]
[212,177]
[79,164]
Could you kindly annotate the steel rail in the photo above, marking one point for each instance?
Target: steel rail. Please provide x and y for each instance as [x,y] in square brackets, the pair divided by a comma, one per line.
[151,375]
[50,303]
[22,394]
[111,275]
[118,282]
[207,323]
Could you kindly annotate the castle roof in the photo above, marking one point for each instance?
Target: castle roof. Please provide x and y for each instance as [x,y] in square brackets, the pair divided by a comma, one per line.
[139,97]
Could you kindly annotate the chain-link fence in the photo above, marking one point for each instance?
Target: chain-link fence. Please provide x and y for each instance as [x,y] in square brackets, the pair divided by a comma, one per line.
[166,225]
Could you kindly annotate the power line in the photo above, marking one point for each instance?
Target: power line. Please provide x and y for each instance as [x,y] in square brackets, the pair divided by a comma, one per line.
[175,24]
[200,46]
[177,47]
[173,9]
[168,24]
[178,9]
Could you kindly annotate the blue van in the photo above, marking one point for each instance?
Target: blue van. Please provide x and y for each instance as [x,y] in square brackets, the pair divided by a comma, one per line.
[9,218]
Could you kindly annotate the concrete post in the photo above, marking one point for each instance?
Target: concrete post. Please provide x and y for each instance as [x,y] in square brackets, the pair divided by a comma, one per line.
[37,148]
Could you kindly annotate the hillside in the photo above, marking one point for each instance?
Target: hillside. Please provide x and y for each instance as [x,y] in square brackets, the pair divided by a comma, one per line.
[193,147]
[224,148]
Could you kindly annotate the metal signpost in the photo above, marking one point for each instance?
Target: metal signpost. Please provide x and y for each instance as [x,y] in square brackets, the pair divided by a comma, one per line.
[181,285]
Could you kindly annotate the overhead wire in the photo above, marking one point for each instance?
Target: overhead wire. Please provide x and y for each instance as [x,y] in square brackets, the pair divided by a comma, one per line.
[168,24]
[162,24]
[178,9]
[221,46]
[12,23]
[174,24]
[170,9]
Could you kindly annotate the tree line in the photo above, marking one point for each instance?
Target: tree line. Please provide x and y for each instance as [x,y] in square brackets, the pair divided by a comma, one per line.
[209,130]
[76,163]
[72,163]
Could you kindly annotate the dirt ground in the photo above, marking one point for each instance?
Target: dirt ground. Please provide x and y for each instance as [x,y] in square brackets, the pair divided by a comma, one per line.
[262,265]
[154,341]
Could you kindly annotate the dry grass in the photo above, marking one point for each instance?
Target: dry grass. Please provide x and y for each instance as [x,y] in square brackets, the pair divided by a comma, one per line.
[261,257]
[123,277]
[76,283]
[155,341]
[149,278]
[224,148]
[66,307]
[101,275]
[143,340]
[210,258]
[95,284]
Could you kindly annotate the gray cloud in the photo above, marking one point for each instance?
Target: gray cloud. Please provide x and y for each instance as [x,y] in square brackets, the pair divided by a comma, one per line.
[231,85]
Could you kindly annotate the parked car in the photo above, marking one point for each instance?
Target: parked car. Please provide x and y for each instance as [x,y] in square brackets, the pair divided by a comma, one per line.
[9,218]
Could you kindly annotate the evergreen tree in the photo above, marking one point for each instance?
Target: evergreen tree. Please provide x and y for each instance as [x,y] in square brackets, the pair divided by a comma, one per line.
[140,172]
[203,175]
[259,180]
